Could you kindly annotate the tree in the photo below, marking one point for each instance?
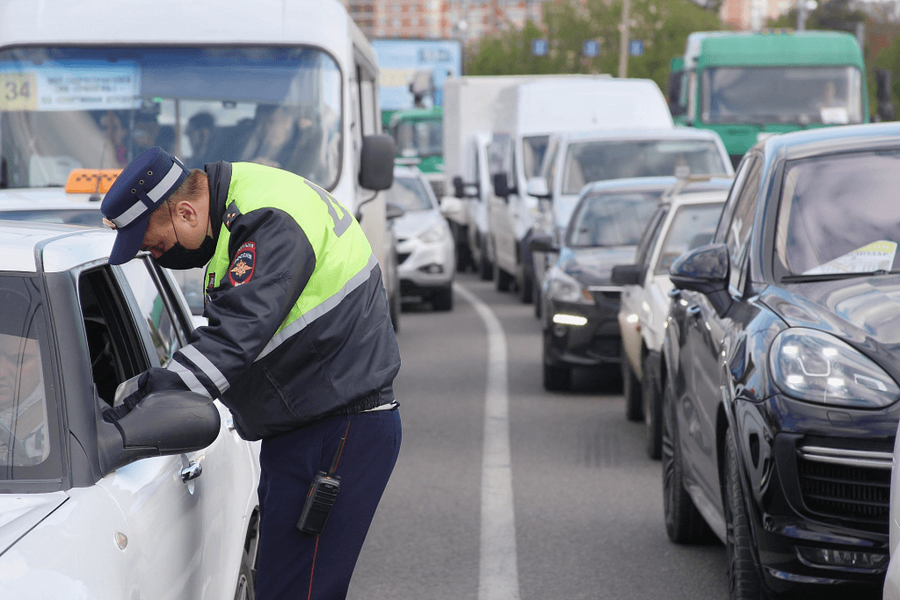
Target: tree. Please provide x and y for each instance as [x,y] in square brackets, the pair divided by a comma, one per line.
[662,25]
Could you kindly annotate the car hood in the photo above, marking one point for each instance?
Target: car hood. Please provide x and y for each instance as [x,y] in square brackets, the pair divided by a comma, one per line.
[20,513]
[864,312]
[413,223]
[593,266]
[45,198]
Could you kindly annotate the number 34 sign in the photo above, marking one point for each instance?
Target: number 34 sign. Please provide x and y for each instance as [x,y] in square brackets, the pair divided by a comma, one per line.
[18,91]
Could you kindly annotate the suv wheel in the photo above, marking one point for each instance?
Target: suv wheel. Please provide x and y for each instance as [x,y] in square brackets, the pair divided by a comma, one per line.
[684,523]
[651,398]
[504,280]
[743,576]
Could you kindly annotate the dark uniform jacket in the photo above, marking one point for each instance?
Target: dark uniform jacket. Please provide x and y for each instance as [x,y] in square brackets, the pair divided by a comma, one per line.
[299,326]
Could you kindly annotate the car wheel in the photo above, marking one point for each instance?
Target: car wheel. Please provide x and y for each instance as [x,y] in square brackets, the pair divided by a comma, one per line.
[443,299]
[631,389]
[652,400]
[485,268]
[504,280]
[537,306]
[744,580]
[556,379]
[246,583]
[684,523]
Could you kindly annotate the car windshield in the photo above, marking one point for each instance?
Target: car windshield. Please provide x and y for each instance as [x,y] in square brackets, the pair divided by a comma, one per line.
[29,442]
[67,108]
[803,95]
[409,193]
[419,137]
[611,219]
[692,226]
[839,214]
[600,160]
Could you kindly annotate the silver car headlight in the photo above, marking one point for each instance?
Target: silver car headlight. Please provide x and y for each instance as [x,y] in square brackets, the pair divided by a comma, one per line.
[433,234]
[808,364]
[565,288]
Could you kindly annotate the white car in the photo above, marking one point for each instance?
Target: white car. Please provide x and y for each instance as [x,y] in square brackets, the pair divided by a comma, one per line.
[425,247]
[161,504]
[892,578]
[686,218]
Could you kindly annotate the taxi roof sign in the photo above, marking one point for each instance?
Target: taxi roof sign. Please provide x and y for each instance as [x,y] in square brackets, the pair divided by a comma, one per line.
[91,181]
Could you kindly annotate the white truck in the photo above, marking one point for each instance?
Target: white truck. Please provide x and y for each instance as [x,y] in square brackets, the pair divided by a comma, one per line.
[528,114]
[90,84]
[470,110]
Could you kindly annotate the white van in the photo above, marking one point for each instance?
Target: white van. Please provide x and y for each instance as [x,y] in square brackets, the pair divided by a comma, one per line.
[90,84]
[528,114]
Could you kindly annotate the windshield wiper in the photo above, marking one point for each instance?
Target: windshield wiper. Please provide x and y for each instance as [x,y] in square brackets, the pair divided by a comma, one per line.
[835,276]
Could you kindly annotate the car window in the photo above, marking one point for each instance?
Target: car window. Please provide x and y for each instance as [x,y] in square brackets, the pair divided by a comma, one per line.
[737,237]
[611,219]
[691,226]
[153,309]
[29,444]
[651,234]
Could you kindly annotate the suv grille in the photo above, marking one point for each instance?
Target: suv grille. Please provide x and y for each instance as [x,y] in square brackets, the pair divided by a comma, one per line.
[846,484]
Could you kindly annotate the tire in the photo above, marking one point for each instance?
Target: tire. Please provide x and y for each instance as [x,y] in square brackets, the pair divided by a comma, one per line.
[504,280]
[485,268]
[556,379]
[631,389]
[443,299]
[651,398]
[537,306]
[745,582]
[246,583]
[684,523]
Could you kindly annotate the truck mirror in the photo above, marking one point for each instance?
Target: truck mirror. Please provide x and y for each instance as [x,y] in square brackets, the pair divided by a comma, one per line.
[501,185]
[376,162]
[537,187]
[884,95]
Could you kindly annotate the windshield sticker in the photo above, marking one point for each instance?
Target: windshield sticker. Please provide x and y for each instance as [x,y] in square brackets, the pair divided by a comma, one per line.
[835,115]
[877,256]
[80,86]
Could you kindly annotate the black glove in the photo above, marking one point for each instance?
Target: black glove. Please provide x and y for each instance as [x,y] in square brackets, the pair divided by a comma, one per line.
[151,380]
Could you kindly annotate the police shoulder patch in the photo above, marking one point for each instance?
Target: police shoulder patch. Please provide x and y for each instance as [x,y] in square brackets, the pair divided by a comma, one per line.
[243,264]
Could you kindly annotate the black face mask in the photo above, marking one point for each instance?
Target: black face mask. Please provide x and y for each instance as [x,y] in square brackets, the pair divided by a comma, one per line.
[179,257]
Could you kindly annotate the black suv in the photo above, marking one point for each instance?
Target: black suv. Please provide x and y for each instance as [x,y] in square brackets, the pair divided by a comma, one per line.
[780,366]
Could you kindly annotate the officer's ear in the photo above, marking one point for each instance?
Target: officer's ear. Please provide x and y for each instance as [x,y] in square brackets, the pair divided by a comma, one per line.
[188,212]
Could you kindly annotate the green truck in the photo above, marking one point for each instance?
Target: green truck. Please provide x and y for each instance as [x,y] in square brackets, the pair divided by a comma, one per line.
[746,86]
[419,142]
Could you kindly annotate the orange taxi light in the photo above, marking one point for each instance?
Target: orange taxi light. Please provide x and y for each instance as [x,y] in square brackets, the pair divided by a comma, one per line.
[91,181]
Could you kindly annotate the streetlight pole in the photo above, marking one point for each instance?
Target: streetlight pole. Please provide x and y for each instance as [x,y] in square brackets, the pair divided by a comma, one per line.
[623,40]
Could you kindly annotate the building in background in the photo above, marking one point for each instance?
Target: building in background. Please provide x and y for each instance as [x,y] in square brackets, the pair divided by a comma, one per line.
[461,19]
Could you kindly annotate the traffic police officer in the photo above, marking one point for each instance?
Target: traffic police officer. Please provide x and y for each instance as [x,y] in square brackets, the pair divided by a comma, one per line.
[299,345]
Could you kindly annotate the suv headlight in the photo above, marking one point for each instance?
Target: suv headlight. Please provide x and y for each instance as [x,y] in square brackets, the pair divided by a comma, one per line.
[433,234]
[808,364]
[565,288]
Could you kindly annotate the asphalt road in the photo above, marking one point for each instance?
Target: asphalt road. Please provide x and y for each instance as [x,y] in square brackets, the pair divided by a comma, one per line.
[571,504]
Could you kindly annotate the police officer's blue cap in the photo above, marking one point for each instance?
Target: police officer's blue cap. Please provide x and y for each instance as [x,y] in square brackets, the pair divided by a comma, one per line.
[140,189]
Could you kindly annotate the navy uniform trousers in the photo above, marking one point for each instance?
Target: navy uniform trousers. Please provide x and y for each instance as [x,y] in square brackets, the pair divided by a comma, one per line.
[293,565]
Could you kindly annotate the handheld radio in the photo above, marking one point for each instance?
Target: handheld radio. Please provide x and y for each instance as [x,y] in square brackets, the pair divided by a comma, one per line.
[323,491]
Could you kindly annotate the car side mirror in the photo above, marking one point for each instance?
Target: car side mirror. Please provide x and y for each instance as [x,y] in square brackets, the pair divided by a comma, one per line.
[542,243]
[628,275]
[458,187]
[501,186]
[393,211]
[163,423]
[537,187]
[376,162]
[704,270]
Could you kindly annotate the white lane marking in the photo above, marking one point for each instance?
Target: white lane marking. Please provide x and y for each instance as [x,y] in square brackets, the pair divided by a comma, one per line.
[498,577]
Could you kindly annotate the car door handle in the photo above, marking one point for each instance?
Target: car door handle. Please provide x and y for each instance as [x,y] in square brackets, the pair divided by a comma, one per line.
[192,471]
[693,311]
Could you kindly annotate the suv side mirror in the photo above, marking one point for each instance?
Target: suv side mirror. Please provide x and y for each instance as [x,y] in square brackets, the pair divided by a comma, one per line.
[537,187]
[376,162]
[163,423]
[704,270]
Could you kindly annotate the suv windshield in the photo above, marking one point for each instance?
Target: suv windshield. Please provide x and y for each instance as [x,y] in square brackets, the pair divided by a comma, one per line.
[29,444]
[839,214]
[829,95]
[609,159]
[68,108]
[611,219]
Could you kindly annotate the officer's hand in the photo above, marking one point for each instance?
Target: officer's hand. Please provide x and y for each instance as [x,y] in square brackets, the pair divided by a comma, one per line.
[150,381]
